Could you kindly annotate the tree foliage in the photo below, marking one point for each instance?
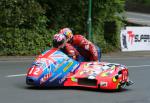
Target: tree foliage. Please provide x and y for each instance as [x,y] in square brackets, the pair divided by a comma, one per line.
[74,14]
[26,14]
[22,27]
[27,25]
[138,5]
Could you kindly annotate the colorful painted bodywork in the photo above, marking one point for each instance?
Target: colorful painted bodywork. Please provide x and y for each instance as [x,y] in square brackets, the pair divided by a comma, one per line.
[54,68]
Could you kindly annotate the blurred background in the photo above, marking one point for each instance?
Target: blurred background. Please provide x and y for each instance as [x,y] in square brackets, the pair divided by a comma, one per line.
[27,26]
[141,6]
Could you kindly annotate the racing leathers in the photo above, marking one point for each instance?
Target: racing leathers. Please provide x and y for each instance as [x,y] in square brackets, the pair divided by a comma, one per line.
[70,51]
[86,49]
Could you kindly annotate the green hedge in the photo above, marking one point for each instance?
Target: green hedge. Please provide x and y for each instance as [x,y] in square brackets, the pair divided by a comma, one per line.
[68,13]
[22,27]
[110,40]
[23,42]
[26,26]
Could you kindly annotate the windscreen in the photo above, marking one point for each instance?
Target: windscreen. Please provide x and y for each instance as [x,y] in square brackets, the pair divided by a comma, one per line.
[51,61]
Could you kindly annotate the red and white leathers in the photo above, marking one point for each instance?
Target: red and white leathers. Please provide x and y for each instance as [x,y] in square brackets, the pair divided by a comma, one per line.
[70,51]
[85,47]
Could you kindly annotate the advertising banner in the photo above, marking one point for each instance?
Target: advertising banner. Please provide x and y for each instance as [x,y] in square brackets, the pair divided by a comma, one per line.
[135,39]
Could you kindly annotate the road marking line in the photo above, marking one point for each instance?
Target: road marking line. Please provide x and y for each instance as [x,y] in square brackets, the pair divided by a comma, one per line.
[123,58]
[139,66]
[13,61]
[17,75]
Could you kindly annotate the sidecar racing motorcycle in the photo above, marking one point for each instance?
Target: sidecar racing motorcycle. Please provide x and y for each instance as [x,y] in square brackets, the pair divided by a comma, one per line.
[54,68]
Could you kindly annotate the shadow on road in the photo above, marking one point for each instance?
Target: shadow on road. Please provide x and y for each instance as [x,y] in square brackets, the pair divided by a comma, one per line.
[76,88]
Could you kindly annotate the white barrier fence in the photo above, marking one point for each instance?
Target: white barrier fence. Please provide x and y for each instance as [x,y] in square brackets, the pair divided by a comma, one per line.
[135,39]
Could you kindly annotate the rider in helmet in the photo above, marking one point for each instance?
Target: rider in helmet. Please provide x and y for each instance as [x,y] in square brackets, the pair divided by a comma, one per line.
[67,32]
[86,48]
[59,41]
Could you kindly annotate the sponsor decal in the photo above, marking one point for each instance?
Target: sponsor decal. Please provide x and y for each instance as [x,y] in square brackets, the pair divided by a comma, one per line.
[85,65]
[55,77]
[113,67]
[63,79]
[73,79]
[94,66]
[104,84]
[90,73]
[114,79]
[86,72]
[44,63]
[132,37]
[105,67]
[135,39]
[124,75]
[92,77]
[45,78]
[105,74]
[142,38]
[60,65]
[75,67]
[66,68]
[110,68]
[82,72]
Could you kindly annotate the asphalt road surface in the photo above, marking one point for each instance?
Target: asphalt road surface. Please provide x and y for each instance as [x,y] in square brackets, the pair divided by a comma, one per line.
[138,18]
[14,90]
